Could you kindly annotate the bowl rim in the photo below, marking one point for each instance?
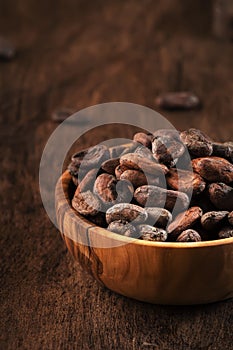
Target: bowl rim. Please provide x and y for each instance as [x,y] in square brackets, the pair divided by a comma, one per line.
[128,240]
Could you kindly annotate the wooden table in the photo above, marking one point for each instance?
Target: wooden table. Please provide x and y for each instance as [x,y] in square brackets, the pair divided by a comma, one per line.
[79,53]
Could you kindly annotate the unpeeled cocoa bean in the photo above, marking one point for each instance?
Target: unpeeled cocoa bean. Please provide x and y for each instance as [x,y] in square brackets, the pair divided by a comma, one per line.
[185,181]
[198,144]
[184,221]
[189,236]
[150,233]
[221,195]
[158,217]
[166,149]
[126,212]
[214,169]
[138,178]
[123,228]
[105,188]
[213,219]
[159,197]
[137,162]
[230,218]
[226,232]
[110,165]
[144,139]
[86,203]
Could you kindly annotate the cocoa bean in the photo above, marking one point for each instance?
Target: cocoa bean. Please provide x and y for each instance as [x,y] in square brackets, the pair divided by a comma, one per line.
[214,169]
[125,191]
[150,233]
[91,157]
[189,236]
[86,203]
[226,232]
[172,133]
[198,144]
[159,197]
[88,181]
[126,212]
[166,149]
[184,221]
[178,100]
[105,188]
[119,170]
[185,181]
[137,162]
[109,165]
[221,195]
[223,150]
[213,219]
[158,217]
[144,152]
[138,178]
[144,139]
[122,228]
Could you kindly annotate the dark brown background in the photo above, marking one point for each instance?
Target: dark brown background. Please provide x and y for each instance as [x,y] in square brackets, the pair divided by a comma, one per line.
[79,53]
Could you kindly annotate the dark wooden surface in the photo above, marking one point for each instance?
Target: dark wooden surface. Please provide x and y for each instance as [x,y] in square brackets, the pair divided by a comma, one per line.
[79,53]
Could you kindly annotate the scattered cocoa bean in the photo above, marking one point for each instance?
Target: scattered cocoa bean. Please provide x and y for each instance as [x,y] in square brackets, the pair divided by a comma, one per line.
[123,228]
[150,233]
[178,100]
[214,169]
[110,165]
[144,139]
[189,236]
[221,195]
[198,144]
[158,217]
[86,203]
[213,219]
[226,232]
[185,181]
[137,162]
[184,221]
[153,196]
[126,212]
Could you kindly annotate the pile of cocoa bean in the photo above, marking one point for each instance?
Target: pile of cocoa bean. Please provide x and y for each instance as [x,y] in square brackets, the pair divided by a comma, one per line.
[166,186]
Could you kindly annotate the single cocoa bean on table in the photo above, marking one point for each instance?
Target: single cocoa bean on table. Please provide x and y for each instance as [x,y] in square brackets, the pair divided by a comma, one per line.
[198,144]
[185,181]
[213,219]
[221,195]
[150,233]
[178,100]
[126,212]
[189,235]
[214,169]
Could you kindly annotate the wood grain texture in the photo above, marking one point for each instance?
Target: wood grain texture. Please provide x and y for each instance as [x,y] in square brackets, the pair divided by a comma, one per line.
[78,53]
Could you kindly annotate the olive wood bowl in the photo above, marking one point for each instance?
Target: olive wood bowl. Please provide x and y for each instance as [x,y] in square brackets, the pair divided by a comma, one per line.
[155,272]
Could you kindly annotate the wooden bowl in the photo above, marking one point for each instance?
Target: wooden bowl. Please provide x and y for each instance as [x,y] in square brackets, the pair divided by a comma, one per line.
[155,272]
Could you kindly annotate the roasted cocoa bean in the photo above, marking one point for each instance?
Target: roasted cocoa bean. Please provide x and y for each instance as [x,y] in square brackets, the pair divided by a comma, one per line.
[178,100]
[223,150]
[86,203]
[185,181]
[105,188]
[214,169]
[221,195]
[153,196]
[110,165]
[172,133]
[158,217]
[189,236]
[87,183]
[119,170]
[123,228]
[144,139]
[126,212]
[125,191]
[198,144]
[150,233]
[166,149]
[91,157]
[184,221]
[213,219]
[138,178]
[226,232]
[230,218]
[137,162]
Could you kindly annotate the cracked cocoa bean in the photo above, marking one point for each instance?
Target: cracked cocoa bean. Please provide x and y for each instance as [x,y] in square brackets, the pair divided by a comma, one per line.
[122,228]
[158,217]
[150,233]
[184,221]
[137,162]
[214,169]
[153,196]
[110,165]
[185,181]
[198,144]
[126,212]
[221,195]
[144,139]
[226,232]
[86,203]
[189,236]
[213,219]
[166,149]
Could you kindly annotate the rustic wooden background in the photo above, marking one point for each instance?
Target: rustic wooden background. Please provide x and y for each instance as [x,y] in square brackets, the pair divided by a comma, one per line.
[79,53]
